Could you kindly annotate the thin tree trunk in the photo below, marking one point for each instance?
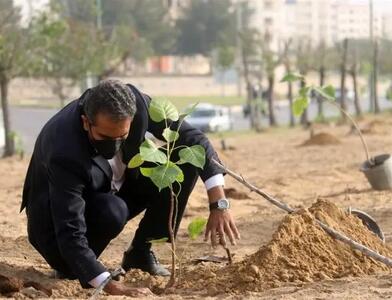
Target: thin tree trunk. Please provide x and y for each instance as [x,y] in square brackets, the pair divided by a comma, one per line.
[375,74]
[304,116]
[248,91]
[271,110]
[357,104]
[320,106]
[9,149]
[290,96]
[343,104]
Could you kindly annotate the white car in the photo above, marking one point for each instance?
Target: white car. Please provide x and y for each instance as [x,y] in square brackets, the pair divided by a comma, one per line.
[210,118]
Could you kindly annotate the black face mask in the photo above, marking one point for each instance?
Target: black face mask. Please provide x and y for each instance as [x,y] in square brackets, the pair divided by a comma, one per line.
[107,148]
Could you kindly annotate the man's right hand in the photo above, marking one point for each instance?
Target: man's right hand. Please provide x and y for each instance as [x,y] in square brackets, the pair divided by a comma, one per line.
[118,288]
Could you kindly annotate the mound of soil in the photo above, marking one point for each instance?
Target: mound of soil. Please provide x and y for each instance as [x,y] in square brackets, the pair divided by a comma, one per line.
[300,251]
[377,127]
[321,139]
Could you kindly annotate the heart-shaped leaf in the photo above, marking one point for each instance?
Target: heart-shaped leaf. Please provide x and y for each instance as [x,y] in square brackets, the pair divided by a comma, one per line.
[304,91]
[300,105]
[324,94]
[136,161]
[291,77]
[170,135]
[188,111]
[165,175]
[196,227]
[330,91]
[195,155]
[149,151]
[146,171]
[160,110]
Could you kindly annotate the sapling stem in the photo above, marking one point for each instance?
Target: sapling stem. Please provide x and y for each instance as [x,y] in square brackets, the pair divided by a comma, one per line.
[172,279]
[369,159]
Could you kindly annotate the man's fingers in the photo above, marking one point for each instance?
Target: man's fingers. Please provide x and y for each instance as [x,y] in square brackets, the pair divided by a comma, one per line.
[207,234]
[229,233]
[222,236]
[214,242]
[235,230]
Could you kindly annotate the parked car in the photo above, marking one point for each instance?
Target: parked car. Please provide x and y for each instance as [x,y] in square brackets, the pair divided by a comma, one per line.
[210,118]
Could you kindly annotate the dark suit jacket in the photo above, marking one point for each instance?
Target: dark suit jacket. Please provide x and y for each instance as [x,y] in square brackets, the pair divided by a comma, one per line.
[65,169]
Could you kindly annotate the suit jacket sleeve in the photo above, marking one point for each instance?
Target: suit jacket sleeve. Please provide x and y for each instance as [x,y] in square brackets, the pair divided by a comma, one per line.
[66,184]
[189,136]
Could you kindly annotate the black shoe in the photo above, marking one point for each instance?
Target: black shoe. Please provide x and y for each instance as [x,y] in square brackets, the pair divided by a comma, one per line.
[145,260]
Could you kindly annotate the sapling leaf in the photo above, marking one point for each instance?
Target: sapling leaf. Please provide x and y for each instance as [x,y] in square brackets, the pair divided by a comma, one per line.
[322,93]
[188,111]
[159,241]
[149,151]
[330,91]
[136,161]
[299,105]
[170,135]
[304,91]
[146,171]
[160,110]
[196,227]
[165,175]
[291,77]
[195,155]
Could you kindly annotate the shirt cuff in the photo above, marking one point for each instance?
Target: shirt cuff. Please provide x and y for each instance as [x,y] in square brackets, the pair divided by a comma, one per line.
[96,282]
[214,181]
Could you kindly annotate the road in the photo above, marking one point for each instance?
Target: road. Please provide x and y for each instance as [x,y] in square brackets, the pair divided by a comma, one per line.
[27,122]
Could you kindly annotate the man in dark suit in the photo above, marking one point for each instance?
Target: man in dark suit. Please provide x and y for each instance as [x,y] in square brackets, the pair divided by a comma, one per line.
[79,194]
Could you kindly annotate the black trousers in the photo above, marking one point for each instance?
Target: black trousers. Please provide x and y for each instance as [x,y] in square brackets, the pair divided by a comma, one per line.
[106,215]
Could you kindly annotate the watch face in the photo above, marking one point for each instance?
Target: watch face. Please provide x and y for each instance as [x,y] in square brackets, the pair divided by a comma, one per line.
[223,204]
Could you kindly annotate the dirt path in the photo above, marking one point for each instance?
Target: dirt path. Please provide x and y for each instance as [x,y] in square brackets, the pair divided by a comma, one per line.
[275,161]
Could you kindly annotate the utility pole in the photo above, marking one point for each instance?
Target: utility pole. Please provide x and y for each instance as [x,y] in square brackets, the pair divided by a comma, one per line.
[371,76]
[99,14]
[239,47]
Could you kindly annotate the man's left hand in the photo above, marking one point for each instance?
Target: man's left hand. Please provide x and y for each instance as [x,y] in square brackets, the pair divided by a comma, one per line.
[220,223]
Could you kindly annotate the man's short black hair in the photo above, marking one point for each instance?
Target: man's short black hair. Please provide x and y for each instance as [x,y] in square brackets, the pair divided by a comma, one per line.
[111,97]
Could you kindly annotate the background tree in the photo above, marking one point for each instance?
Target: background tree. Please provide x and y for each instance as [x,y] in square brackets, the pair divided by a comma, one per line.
[343,71]
[225,60]
[205,26]
[303,54]
[287,62]
[126,29]
[13,58]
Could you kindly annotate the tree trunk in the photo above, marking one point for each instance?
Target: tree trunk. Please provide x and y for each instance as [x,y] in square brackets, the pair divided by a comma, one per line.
[375,74]
[304,116]
[320,106]
[271,110]
[290,96]
[342,99]
[357,104]
[248,91]
[9,149]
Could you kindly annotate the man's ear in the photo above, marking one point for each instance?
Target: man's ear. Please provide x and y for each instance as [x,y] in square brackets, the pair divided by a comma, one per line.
[85,122]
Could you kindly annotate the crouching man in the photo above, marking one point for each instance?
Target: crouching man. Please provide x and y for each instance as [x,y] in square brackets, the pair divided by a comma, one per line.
[79,194]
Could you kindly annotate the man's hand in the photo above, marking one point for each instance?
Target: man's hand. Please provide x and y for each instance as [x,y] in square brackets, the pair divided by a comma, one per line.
[117,288]
[220,223]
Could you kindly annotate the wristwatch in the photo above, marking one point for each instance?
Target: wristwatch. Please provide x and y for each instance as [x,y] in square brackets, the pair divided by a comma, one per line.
[221,204]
